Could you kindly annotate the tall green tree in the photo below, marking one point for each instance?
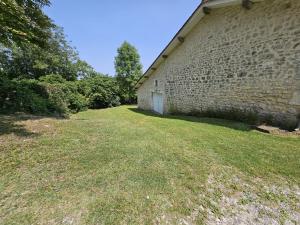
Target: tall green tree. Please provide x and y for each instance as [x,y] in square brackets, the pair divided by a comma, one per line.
[30,61]
[23,21]
[128,71]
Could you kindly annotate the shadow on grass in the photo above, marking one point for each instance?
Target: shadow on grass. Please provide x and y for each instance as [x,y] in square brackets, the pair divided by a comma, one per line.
[9,126]
[12,124]
[212,121]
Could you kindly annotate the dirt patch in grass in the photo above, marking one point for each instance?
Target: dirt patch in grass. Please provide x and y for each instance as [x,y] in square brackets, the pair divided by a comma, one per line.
[25,128]
[252,201]
[233,198]
[285,133]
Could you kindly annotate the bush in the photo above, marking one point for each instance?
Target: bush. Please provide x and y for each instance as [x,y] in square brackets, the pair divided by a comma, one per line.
[23,95]
[57,100]
[39,97]
[53,95]
[64,95]
[77,102]
[102,91]
[99,101]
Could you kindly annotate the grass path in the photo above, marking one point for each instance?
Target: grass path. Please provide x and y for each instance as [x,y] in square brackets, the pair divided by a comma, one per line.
[124,166]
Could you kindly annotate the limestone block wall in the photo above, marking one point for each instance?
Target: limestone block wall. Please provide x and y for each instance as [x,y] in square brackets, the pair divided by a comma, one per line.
[235,58]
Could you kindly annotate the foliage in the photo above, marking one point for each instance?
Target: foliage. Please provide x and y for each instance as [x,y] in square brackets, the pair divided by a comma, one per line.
[47,96]
[52,94]
[41,73]
[31,62]
[84,70]
[128,71]
[52,79]
[77,102]
[64,94]
[23,21]
[24,95]
[102,91]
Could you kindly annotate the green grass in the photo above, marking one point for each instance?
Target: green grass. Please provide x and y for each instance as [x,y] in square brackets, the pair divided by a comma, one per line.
[125,166]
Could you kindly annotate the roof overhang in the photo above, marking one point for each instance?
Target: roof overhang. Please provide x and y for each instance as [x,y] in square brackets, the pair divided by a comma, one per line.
[178,39]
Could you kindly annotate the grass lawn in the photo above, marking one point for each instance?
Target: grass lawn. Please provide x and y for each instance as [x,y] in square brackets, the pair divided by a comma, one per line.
[125,166]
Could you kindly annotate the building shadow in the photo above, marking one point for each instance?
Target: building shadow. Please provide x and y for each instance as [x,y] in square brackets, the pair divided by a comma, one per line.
[212,121]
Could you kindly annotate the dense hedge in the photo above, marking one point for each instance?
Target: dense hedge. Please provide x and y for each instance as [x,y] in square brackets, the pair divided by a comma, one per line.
[54,95]
[23,95]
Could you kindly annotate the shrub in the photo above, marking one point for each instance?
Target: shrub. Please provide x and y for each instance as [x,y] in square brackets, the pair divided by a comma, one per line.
[282,121]
[33,96]
[77,102]
[100,100]
[23,95]
[64,95]
[115,101]
[57,100]
[53,95]
[102,91]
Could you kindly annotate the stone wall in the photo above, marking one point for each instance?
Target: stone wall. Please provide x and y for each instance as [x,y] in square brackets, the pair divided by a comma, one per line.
[235,58]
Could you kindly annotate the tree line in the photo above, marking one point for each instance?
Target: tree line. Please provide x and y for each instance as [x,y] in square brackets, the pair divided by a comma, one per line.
[41,73]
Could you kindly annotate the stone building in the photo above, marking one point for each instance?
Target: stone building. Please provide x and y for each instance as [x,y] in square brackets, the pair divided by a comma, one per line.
[230,54]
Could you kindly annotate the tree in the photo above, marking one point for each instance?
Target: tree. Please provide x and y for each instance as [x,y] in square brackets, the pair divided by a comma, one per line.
[128,71]
[29,61]
[23,21]
[84,70]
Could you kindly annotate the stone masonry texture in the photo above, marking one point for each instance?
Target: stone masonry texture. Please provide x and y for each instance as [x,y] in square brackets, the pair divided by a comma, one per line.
[234,58]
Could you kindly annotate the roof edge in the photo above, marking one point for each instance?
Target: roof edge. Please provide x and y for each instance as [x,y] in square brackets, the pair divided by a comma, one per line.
[178,38]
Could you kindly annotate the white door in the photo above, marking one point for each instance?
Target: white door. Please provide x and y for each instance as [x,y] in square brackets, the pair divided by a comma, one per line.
[158,105]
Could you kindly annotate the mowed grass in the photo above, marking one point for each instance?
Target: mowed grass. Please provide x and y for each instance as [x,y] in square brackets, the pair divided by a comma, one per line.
[125,166]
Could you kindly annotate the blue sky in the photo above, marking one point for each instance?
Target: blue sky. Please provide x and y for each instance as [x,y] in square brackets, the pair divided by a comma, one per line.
[98,27]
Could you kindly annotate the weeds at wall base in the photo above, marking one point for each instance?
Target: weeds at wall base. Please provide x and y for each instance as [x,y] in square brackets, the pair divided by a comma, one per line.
[245,116]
